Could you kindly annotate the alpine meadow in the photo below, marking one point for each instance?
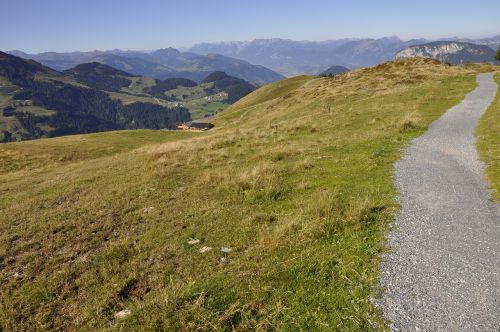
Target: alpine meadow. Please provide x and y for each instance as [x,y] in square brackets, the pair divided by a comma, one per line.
[170,166]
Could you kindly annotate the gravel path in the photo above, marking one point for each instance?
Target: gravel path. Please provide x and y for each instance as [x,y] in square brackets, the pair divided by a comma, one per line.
[443,272]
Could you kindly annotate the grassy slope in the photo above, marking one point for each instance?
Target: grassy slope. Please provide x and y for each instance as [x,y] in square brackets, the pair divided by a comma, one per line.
[6,122]
[489,143]
[127,99]
[40,153]
[11,123]
[138,84]
[296,179]
[195,100]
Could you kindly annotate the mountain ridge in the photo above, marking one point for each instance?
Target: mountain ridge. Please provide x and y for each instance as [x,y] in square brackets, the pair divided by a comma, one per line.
[37,101]
[279,57]
[161,63]
[290,57]
[453,52]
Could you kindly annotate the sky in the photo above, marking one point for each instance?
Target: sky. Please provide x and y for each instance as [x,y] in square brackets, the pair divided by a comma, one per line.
[56,25]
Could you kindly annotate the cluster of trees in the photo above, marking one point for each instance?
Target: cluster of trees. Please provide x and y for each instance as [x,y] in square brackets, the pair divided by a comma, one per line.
[236,88]
[83,110]
[497,56]
[8,111]
[19,71]
[145,115]
[107,83]
[29,122]
[7,137]
[100,76]
[70,99]
[161,86]
[238,91]
[328,75]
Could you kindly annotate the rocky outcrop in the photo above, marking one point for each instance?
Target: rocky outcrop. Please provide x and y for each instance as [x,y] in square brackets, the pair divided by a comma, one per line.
[449,51]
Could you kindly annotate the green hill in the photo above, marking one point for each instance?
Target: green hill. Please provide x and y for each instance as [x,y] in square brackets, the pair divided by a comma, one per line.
[138,66]
[100,76]
[37,101]
[216,91]
[236,88]
[273,220]
[161,64]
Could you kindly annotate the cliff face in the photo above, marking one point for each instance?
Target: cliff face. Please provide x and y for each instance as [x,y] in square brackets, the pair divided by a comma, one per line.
[452,52]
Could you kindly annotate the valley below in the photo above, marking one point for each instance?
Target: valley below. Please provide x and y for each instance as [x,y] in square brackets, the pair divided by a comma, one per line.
[38,102]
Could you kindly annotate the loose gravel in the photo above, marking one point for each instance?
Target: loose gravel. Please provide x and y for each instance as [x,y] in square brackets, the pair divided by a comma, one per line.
[443,270]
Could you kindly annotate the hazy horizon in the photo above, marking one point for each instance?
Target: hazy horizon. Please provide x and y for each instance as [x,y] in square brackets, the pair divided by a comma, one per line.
[62,26]
[245,41]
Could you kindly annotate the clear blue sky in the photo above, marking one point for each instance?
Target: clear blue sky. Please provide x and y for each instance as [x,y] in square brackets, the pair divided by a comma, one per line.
[66,25]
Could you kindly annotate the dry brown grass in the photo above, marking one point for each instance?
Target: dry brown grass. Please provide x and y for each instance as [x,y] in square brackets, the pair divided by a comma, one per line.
[295,178]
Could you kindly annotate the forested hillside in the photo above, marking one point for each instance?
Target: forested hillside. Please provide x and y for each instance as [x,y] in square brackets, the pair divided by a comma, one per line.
[37,101]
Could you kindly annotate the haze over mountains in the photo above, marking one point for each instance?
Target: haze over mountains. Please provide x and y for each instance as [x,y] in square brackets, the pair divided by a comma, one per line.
[290,57]
[449,51]
[259,61]
[161,64]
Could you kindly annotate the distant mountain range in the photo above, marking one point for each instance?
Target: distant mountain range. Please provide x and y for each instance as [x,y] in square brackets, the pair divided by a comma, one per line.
[37,101]
[450,51]
[161,64]
[290,57]
[492,42]
[259,61]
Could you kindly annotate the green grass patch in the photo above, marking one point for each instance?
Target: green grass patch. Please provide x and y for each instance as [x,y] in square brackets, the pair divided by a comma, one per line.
[488,143]
[42,152]
[139,84]
[35,110]
[296,182]
[201,108]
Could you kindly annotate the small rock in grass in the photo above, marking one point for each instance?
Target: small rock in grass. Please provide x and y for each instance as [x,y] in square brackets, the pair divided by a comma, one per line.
[193,241]
[148,209]
[226,250]
[18,276]
[122,314]
[205,249]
